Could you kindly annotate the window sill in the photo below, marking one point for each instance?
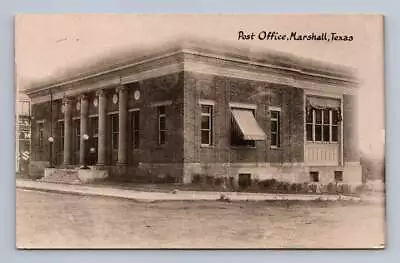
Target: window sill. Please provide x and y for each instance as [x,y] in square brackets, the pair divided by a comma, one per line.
[207,146]
[243,147]
[275,148]
[318,142]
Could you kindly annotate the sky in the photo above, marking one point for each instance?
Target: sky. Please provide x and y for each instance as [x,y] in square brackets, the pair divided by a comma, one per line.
[46,45]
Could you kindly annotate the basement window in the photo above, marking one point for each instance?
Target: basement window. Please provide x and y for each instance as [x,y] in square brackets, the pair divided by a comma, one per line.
[339,176]
[244,180]
[314,177]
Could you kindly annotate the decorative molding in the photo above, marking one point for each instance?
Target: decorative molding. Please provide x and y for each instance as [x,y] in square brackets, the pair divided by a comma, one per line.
[100,93]
[206,102]
[270,77]
[67,100]
[121,89]
[161,103]
[274,108]
[242,105]
[83,96]
[250,70]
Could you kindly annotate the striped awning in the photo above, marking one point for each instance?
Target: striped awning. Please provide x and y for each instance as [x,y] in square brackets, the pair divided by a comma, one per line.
[319,102]
[248,125]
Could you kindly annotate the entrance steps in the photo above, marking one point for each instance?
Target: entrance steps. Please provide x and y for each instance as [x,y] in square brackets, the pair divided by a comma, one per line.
[73,175]
[61,176]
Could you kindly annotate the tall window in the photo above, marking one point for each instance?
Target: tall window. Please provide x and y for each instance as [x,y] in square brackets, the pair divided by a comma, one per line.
[94,126]
[206,125]
[275,128]
[114,131]
[94,131]
[135,126]
[61,135]
[41,135]
[162,127]
[322,125]
[77,126]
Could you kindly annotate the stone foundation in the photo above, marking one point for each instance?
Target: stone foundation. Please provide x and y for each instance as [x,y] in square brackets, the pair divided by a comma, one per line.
[74,176]
[292,173]
[146,172]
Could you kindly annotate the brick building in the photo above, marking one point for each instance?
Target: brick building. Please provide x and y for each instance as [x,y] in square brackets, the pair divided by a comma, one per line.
[193,109]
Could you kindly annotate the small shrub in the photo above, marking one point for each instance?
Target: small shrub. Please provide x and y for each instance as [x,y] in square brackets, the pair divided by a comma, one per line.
[339,189]
[209,180]
[231,182]
[299,188]
[218,181]
[169,179]
[196,179]
[312,188]
[293,188]
[286,187]
[331,188]
[346,189]
[269,184]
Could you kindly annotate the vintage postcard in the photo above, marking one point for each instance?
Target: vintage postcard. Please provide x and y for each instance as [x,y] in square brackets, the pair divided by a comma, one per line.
[210,131]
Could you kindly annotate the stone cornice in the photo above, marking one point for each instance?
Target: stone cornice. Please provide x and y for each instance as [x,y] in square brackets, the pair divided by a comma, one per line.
[288,71]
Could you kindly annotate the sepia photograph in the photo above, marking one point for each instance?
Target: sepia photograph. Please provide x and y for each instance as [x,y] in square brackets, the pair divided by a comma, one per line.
[200,131]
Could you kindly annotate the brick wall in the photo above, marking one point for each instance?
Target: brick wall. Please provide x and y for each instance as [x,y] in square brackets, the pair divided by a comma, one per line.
[223,90]
[160,89]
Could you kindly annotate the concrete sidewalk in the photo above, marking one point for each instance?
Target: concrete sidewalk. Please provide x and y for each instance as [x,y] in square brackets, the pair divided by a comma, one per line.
[109,191]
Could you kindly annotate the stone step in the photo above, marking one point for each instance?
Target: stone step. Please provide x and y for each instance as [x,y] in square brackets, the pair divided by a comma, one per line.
[62,176]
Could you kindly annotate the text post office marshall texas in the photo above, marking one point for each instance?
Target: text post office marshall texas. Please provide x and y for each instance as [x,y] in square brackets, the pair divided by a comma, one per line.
[274,35]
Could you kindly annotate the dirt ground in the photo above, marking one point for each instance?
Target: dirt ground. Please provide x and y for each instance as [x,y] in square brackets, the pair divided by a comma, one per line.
[50,220]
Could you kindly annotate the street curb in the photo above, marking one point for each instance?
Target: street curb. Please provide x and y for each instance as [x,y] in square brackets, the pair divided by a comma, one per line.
[229,198]
[58,191]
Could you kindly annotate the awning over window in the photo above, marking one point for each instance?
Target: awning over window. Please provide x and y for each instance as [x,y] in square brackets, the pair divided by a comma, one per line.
[323,103]
[248,125]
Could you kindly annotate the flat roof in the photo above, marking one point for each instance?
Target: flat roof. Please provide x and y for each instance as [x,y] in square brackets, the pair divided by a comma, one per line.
[123,59]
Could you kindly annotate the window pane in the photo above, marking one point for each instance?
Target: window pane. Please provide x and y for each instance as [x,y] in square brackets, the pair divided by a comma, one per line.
[326,133]
[335,133]
[274,126]
[162,137]
[115,123]
[162,123]
[205,139]
[115,140]
[137,139]
[318,132]
[326,116]
[335,117]
[318,116]
[274,114]
[309,116]
[205,109]
[205,122]
[136,121]
[274,140]
[309,132]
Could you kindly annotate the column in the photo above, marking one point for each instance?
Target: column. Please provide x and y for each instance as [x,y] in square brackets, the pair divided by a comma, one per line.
[84,128]
[67,130]
[102,122]
[123,125]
